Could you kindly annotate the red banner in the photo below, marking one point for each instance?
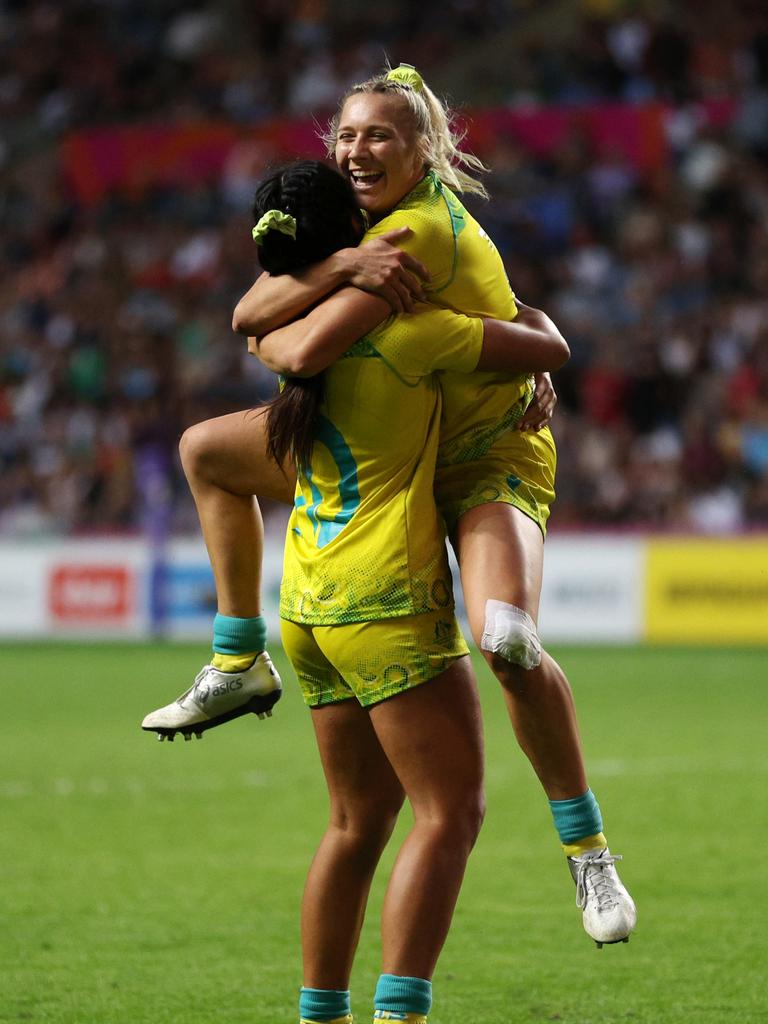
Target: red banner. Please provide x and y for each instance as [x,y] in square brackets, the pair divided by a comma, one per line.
[132,159]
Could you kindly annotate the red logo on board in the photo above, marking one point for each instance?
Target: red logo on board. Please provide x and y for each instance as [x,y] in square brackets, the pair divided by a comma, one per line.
[90,593]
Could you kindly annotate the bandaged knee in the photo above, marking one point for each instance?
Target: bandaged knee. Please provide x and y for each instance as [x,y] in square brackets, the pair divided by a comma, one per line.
[511,633]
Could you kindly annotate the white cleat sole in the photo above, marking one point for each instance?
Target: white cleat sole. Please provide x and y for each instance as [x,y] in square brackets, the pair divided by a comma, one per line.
[261,706]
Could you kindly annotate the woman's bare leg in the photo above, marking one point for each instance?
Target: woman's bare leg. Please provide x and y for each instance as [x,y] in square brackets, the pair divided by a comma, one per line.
[226,464]
[366,798]
[500,552]
[428,743]
[433,738]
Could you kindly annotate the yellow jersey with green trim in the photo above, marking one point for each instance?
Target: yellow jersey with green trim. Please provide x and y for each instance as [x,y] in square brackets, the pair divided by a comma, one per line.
[467,275]
[365,540]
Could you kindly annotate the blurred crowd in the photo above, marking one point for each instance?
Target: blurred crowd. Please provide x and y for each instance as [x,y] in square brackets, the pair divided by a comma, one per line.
[115,316]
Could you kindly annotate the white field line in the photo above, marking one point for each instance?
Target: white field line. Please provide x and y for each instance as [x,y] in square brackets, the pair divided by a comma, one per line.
[97,786]
[64,786]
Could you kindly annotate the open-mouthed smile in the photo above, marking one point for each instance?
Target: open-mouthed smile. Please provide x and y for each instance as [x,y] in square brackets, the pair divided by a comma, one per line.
[365,179]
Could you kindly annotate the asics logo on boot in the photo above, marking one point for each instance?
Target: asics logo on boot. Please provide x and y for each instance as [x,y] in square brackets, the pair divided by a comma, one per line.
[228,686]
[201,695]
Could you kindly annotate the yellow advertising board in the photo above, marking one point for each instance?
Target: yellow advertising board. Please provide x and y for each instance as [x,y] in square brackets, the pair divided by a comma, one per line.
[707,591]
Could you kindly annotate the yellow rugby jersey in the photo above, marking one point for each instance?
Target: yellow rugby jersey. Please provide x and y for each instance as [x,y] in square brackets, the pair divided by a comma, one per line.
[468,276]
[365,540]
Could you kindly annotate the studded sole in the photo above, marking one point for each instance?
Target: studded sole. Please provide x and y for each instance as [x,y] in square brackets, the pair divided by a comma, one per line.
[260,705]
[612,942]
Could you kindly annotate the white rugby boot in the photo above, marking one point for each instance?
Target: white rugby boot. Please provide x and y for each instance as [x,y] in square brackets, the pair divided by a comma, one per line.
[217,697]
[608,911]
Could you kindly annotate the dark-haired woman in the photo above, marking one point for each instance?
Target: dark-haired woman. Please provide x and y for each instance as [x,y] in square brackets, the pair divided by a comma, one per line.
[366,602]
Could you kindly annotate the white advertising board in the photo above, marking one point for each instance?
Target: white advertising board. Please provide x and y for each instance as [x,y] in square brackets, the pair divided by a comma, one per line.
[74,588]
[593,589]
[23,590]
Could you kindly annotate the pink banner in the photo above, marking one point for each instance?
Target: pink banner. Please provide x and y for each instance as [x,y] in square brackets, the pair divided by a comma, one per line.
[132,159]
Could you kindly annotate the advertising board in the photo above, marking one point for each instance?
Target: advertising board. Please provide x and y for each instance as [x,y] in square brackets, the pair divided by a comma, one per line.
[707,591]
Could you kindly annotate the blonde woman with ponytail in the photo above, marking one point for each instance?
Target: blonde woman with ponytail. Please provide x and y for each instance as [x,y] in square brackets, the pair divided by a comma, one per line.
[494,480]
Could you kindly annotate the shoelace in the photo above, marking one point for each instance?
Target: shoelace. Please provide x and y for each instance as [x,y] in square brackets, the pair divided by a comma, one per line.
[201,675]
[591,875]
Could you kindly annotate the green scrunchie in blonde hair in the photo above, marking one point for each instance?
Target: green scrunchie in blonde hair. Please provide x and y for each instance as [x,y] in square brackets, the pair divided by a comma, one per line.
[406,74]
[274,220]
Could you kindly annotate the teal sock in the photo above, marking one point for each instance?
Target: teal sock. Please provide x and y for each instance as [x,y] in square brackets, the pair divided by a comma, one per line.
[577,818]
[234,636]
[323,1003]
[403,995]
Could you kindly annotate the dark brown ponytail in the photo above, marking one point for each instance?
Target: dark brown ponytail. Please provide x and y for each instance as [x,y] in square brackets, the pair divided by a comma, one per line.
[291,419]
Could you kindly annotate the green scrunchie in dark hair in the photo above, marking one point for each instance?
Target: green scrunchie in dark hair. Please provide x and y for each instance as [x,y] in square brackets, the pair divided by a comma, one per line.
[274,220]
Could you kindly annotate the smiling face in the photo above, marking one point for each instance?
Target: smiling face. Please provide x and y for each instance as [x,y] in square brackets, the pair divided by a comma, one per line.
[376,149]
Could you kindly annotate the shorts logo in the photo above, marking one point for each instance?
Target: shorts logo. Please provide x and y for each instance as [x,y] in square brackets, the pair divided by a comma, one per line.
[443,630]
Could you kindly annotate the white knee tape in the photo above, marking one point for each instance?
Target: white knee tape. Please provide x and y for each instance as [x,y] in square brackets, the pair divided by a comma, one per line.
[511,633]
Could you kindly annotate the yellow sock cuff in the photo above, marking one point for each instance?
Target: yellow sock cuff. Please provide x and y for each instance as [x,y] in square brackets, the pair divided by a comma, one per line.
[596,842]
[346,1019]
[233,663]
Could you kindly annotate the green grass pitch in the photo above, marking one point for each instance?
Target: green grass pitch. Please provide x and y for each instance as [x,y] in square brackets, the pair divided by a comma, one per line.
[152,883]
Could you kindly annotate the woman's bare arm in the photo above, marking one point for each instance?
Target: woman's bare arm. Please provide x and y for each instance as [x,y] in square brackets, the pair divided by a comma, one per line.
[529,343]
[310,344]
[377,266]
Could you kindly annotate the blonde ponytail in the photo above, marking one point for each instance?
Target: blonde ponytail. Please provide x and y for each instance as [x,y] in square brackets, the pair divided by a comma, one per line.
[445,156]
